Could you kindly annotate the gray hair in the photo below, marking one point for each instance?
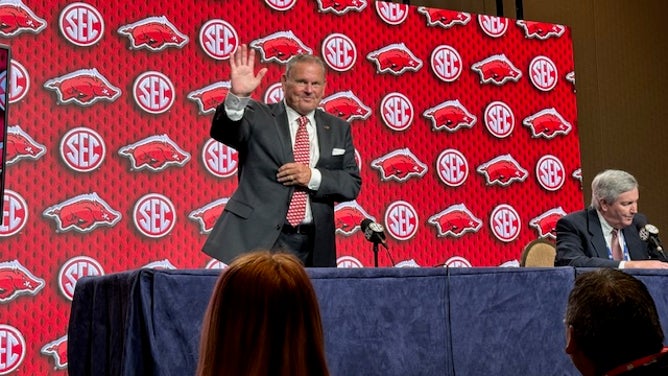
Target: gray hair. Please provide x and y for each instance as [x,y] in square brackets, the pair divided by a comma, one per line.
[609,184]
[304,58]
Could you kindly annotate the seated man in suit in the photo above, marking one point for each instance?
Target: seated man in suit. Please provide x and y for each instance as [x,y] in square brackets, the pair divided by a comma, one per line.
[612,326]
[607,233]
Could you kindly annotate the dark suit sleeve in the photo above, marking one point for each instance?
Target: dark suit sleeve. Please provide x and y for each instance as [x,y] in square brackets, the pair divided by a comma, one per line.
[574,245]
[229,132]
[341,179]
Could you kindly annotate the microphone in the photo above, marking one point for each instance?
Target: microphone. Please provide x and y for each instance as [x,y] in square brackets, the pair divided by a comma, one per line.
[650,234]
[373,232]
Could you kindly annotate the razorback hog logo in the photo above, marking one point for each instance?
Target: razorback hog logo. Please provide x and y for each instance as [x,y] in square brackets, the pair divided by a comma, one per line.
[58,350]
[502,170]
[15,18]
[450,116]
[496,69]
[154,33]
[348,216]
[399,165]
[19,145]
[209,97]
[395,58]
[540,30]
[346,105]
[546,223]
[443,17]
[83,213]
[455,221]
[280,46]
[85,87]
[16,280]
[341,7]
[208,214]
[155,153]
[547,123]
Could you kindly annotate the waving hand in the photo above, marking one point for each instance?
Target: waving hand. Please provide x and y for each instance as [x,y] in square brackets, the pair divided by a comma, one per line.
[243,79]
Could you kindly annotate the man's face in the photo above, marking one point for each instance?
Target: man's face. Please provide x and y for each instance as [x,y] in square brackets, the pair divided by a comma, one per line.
[304,88]
[619,214]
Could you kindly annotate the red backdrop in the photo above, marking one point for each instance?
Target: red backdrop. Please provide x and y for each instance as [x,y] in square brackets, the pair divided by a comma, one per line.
[465,128]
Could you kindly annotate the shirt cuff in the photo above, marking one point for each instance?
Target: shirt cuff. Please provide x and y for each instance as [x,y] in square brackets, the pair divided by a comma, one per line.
[234,106]
[621,264]
[316,179]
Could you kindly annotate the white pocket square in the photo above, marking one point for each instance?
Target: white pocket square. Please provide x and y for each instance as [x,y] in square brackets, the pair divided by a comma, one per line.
[337,151]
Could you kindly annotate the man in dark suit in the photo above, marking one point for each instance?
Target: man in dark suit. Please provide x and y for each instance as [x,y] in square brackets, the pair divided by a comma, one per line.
[613,327]
[607,233]
[271,182]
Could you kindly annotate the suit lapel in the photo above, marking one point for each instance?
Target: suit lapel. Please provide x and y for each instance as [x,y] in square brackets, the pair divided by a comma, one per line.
[633,243]
[283,130]
[324,131]
[597,237]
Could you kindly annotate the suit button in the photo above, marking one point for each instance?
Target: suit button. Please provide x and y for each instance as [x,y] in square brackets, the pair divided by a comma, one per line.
[278,227]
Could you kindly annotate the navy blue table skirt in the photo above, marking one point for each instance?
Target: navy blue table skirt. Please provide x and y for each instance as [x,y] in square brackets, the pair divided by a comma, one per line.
[387,321]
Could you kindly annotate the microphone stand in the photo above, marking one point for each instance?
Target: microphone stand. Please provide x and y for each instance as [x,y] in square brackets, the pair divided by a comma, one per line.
[375,254]
[661,256]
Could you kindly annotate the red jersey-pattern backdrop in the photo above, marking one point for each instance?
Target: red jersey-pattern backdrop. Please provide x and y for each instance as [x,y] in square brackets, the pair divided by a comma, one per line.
[464,125]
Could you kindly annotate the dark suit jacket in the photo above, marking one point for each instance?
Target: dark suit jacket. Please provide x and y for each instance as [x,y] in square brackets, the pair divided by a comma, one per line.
[580,240]
[254,215]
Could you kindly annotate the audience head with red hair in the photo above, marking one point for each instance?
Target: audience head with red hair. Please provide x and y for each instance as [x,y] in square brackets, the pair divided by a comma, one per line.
[263,319]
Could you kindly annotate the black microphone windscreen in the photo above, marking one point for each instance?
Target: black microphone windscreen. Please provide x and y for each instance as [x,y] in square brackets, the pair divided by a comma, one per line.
[365,223]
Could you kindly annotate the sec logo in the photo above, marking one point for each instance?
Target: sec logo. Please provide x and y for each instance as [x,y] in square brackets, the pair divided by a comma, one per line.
[499,119]
[154,92]
[218,39]
[73,270]
[154,215]
[348,262]
[392,13]
[505,223]
[495,27]
[81,24]
[220,160]
[339,52]
[550,173]
[446,63]
[457,262]
[543,73]
[397,111]
[401,220]
[14,214]
[82,149]
[452,167]
[12,349]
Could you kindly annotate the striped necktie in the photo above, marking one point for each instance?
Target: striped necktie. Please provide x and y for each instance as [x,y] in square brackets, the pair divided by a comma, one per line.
[615,246]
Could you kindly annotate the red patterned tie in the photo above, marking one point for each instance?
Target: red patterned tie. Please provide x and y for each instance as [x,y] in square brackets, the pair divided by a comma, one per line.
[615,246]
[297,209]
